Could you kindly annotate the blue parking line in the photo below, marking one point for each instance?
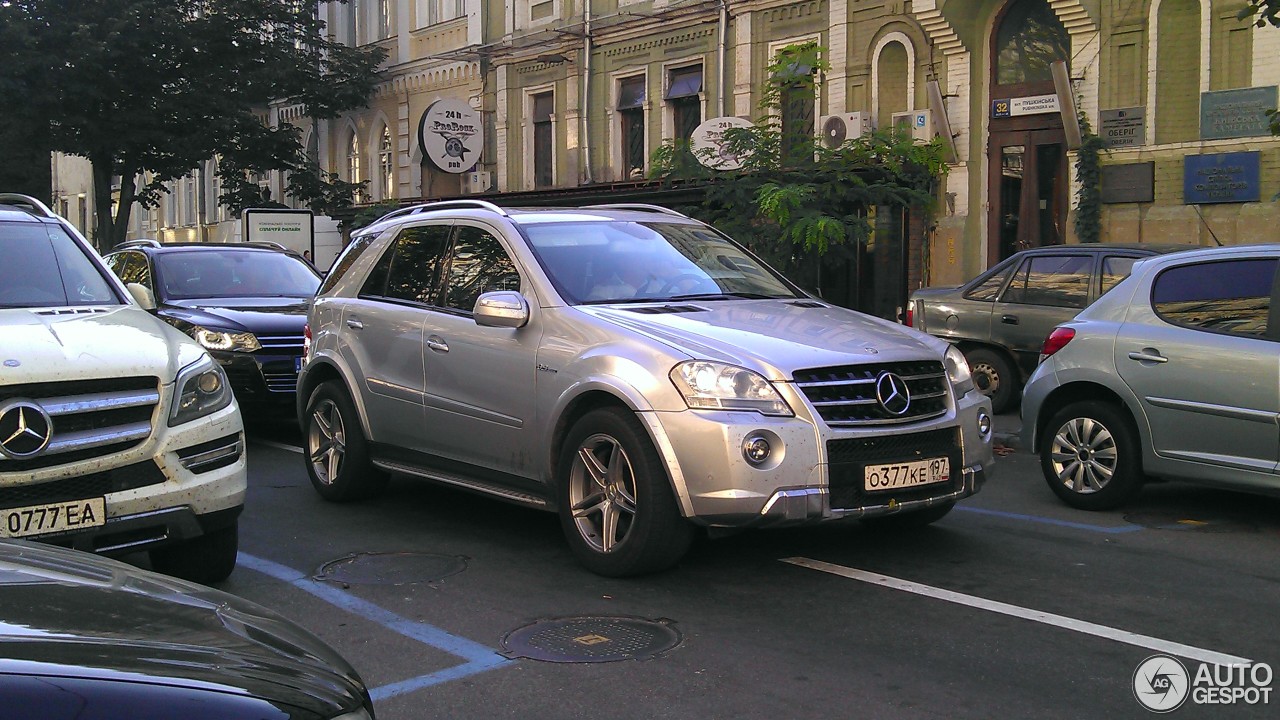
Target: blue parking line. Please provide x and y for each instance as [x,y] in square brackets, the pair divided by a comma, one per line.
[1110,530]
[479,657]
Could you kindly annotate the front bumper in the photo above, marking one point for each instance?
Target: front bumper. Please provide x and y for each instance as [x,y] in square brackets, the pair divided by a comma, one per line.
[262,378]
[814,473]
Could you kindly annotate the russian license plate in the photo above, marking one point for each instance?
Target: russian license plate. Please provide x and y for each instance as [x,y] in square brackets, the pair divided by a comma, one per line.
[893,476]
[52,518]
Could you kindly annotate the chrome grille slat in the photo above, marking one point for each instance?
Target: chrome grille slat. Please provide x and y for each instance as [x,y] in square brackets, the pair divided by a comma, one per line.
[846,396]
[99,401]
[85,439]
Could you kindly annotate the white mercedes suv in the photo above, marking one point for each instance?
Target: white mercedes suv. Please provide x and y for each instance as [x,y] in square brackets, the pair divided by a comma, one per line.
[630,368]
[117,432]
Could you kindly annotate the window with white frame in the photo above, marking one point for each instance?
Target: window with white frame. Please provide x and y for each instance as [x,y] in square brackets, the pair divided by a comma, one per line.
[543,106]
[386,164]
[631,96]
[431,12]
[683,96]
[358,33]
[189,202]
[354,171]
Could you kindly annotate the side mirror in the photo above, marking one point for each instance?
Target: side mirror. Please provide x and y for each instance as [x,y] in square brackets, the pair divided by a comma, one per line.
[503,308]
[142,295]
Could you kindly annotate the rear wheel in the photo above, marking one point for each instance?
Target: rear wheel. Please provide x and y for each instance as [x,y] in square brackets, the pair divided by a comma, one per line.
[910,520]
[1091,457]
[994,376]
[337,451]
[616,505]
[209,558]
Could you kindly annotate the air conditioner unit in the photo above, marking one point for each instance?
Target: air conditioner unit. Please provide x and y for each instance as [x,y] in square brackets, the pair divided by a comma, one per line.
[918,122]
[478,181]
[834,130]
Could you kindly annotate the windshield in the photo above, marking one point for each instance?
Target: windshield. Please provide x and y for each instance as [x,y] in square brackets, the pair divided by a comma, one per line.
[43,266]
[233,273]
[611,262]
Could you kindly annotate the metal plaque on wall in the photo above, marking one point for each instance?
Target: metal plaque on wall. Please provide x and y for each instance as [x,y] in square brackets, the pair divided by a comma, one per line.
[1236,113]
[1123,127]
[1131,182]
[1221,178]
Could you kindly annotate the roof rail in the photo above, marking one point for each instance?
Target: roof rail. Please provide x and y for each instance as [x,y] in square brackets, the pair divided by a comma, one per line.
[442,205]
[140,242]
[266,243]
[26,201]
[643,207]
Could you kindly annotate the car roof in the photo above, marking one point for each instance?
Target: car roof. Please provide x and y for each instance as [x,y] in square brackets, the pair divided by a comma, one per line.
[147,246]
[480,209]
[1157,248]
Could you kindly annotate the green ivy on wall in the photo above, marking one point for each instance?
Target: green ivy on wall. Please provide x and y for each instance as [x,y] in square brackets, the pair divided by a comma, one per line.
[1089,175]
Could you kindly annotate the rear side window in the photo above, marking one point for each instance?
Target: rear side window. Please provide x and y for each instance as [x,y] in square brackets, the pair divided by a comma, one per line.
[43,266]
[349,255]
[409,270]
[1116,268]
[1232,296]
[1052,280]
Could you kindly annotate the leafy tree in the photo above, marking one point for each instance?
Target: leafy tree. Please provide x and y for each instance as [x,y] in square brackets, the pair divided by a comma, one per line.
[149,89]
[794,200]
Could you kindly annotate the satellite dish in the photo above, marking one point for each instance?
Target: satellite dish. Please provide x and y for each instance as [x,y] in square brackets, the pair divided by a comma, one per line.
[709,146]
[834,132]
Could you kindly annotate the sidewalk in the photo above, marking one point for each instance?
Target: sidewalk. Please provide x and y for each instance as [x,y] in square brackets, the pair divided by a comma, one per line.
[1008,430]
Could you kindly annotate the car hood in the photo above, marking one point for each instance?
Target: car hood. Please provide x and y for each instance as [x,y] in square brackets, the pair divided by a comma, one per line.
[259,315]
[71,614]
[774,337]
[56,344]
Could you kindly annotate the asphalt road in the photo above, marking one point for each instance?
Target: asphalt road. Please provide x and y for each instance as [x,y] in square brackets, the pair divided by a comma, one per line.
[1013,606]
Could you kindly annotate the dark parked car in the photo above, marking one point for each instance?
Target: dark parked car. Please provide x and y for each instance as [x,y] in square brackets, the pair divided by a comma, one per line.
[84,637]
[246,303]
[1000,318]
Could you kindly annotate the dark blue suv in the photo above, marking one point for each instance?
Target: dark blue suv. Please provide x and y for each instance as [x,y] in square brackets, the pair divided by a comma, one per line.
[246,303]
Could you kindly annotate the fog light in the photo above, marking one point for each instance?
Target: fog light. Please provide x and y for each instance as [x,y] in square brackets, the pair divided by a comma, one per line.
[756,449]
[984,423]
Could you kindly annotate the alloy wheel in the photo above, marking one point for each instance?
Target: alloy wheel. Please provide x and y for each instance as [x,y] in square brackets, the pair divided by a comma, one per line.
[326,441]
[1083,455]
[602,492]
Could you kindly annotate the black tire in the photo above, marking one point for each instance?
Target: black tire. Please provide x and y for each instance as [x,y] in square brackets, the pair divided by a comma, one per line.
[910,520]
[994,376]
[206,559]
[337,453]
[627,482]
[1091,456]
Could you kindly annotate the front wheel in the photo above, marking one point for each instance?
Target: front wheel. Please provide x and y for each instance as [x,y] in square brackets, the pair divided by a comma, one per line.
[616,505]
[1091,456]
[994,376]
[337,451]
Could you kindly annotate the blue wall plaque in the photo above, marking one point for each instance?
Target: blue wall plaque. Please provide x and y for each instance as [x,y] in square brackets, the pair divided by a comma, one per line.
[1220,178]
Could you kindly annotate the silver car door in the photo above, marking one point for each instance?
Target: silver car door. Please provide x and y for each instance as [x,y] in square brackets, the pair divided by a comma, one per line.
[1194,348]
[383,330]
[1045,290]
[480,399]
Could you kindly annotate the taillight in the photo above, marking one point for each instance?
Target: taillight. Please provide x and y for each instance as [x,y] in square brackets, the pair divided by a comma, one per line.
[1057,340]
[306,343]
[910,317]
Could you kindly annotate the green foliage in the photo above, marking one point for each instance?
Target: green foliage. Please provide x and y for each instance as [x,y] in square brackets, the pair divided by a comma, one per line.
[369,214]
[1089,176]
[149,89]
[791,201]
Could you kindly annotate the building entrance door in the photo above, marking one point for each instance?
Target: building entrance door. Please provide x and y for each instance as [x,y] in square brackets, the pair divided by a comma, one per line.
[1028,191]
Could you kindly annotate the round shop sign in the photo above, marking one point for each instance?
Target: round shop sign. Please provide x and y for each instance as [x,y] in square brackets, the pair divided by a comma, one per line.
[709,146]
[451,135]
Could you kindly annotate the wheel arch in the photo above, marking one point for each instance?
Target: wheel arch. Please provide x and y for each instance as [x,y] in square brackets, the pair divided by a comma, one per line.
[319,371]
[1072,392]
[967,346]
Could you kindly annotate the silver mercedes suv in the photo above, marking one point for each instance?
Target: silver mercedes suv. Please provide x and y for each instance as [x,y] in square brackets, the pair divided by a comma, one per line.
[633,370]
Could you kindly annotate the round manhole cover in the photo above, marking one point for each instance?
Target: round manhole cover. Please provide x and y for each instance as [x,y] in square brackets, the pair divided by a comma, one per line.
[394,568]
[1165,520]
[592,639]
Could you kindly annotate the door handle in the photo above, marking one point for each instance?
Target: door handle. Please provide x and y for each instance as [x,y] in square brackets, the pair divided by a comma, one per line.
[354,324]
[1148,355]
[437,343]
[1009,319]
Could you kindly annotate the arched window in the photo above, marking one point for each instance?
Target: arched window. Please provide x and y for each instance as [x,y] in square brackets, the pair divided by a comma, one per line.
[892,67]
[386,163]
[354,171]
[1029,39]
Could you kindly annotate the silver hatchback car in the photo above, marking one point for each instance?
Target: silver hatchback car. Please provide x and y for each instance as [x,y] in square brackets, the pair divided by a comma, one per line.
[630,368]
[1175,374]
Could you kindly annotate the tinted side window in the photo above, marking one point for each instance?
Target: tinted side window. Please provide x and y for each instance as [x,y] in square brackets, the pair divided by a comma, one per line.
[135,269]
[1054,280]
[411,265]
[1233,296]
[989,287]
[349,255]
[1116,268]
[478,265]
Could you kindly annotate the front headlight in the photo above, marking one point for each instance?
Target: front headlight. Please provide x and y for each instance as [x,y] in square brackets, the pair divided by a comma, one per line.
[223,340]
[202,389]
[717,386]
[958,370]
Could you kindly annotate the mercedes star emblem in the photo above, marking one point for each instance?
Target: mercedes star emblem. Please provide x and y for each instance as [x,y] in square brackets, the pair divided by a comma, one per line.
[25,429]
[892,392]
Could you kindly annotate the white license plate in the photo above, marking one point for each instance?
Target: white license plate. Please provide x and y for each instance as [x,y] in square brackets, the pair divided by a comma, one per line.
[56,517]
[909,474]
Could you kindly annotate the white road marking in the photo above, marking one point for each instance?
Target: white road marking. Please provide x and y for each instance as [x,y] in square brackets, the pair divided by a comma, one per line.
[278,445]
[1080,626]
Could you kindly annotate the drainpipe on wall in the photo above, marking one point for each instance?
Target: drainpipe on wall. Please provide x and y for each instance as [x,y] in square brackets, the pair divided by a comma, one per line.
[721,52]
[586,92]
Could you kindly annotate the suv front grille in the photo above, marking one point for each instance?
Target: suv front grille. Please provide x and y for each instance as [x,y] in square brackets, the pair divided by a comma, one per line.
[91,418]
[847,458]
[846,396]
[82,487]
